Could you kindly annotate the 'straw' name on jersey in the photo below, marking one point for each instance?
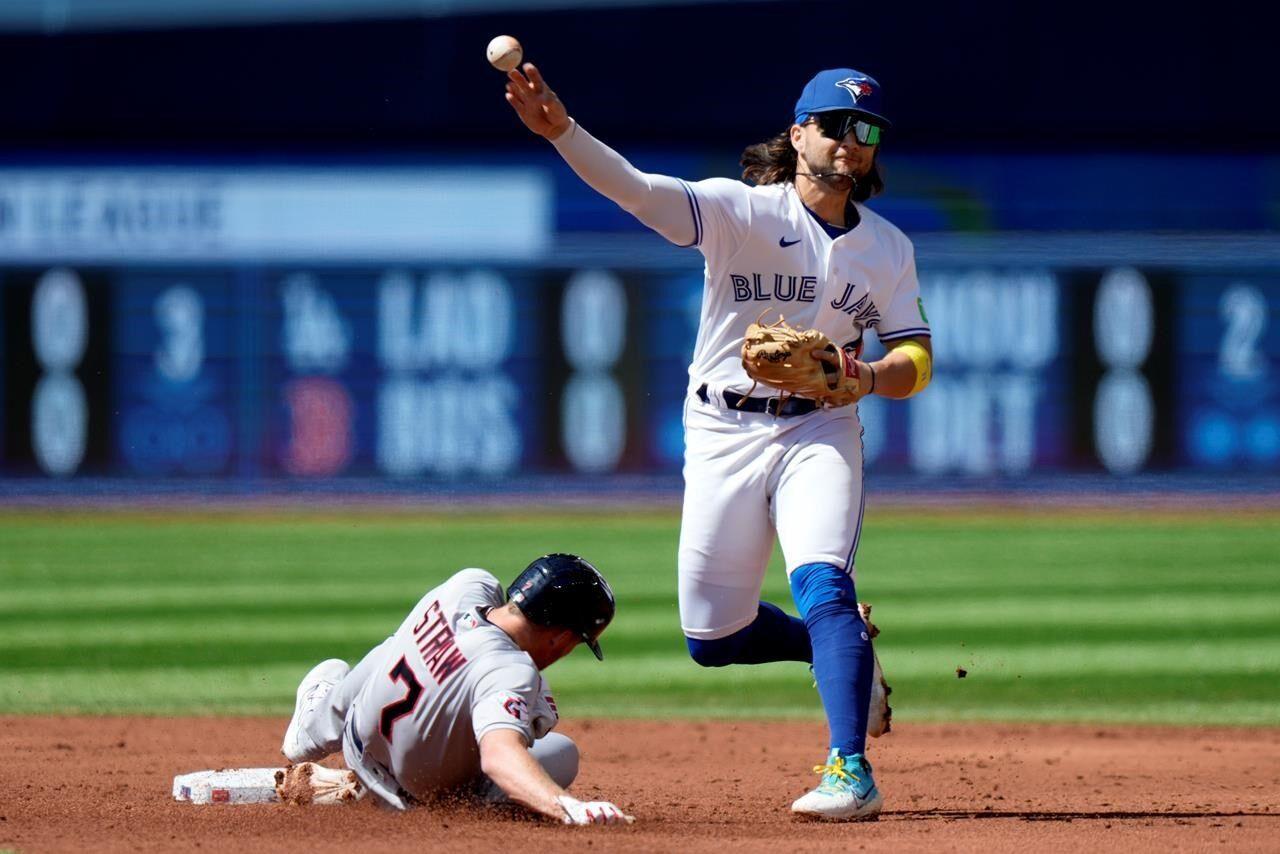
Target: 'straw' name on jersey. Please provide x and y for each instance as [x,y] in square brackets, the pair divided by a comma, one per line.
[437,645]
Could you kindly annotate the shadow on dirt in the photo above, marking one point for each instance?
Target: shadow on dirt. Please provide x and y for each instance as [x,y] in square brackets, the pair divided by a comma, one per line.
[1065,815]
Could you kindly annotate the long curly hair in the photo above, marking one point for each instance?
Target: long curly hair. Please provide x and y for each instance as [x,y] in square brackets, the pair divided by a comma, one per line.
[774,161]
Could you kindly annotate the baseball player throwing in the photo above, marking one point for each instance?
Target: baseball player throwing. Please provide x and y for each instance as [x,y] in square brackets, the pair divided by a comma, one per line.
[796,240]
[455,701]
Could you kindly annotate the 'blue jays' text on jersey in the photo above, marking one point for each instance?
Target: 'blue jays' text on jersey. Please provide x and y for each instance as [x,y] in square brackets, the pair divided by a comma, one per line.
[766,252]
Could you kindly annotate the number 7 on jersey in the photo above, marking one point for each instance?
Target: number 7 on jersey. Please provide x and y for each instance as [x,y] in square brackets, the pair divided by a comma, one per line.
[393,712]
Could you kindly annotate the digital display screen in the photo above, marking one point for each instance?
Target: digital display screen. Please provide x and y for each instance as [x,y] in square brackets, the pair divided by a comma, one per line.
[1229,343]
[175,373]
[56,398]
[399,372]
[996,405]
[471,371]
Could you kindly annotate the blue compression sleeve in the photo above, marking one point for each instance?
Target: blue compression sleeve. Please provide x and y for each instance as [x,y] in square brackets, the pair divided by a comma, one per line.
[773,636]
[842,658]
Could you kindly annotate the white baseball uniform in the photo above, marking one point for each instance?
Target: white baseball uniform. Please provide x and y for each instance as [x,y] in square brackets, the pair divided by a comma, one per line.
[409,717]
[749,474]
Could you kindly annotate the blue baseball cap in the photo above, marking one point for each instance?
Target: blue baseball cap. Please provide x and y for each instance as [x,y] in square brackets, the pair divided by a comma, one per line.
[841,89]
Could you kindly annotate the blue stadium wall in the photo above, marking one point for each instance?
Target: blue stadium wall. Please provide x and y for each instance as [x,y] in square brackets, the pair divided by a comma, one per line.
[1093,197]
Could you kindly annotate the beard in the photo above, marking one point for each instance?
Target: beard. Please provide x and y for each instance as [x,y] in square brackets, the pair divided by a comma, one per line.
[840,176]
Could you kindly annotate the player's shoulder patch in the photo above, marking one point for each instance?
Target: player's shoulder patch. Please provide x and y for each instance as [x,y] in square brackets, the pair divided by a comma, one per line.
[516,706]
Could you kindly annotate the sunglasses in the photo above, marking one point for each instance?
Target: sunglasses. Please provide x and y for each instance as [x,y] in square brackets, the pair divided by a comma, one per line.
[837,124]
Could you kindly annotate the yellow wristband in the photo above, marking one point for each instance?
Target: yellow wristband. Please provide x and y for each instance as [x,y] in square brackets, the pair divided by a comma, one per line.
[920,358]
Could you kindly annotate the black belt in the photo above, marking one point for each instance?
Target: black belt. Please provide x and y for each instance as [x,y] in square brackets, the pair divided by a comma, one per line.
[792,406]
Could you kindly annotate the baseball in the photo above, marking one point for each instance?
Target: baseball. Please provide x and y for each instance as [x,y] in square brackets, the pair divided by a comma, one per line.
[504,53]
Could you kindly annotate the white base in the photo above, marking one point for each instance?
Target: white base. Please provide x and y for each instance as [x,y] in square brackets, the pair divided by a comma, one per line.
[228,786]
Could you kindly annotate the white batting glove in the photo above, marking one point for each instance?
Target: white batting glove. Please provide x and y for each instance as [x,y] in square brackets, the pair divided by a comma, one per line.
[591,812]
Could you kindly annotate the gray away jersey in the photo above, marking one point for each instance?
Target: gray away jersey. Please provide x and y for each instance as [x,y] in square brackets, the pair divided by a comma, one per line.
[448,677]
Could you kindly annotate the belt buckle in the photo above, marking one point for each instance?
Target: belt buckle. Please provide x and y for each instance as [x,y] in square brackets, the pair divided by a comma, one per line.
[773,406]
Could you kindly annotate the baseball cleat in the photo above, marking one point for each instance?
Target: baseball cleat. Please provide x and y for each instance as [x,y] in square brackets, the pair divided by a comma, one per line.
[315,687]
[879,714]
[847,791]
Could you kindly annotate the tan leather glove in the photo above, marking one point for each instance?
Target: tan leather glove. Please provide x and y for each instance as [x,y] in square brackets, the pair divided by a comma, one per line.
[803,362]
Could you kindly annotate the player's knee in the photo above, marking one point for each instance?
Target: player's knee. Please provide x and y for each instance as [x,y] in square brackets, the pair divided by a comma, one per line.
[558,755]
[820,590]
[718,652]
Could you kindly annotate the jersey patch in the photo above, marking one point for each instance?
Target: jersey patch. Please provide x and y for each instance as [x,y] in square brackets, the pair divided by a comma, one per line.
[517,707]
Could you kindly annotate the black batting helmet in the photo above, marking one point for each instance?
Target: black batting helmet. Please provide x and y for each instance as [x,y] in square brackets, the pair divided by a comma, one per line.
[565,591]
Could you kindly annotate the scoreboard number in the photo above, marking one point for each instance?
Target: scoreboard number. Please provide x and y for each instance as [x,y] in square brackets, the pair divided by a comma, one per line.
[59,336]
[1244,315]
[179,313]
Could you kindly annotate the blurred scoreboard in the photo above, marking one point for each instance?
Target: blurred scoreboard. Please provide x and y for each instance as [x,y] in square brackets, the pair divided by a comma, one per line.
[315,373]
[484,371]
[1121,369]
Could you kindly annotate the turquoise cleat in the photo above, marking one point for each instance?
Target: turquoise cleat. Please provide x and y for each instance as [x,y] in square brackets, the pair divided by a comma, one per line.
[847,791]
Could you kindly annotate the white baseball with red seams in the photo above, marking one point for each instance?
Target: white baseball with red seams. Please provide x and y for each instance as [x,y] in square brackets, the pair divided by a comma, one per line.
[504,53]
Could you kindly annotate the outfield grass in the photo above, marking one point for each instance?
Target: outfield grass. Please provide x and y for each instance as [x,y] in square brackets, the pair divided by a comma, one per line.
[1171,619]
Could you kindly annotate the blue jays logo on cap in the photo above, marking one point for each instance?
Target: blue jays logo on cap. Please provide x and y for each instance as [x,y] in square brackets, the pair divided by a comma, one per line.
[857,87]
[842,89]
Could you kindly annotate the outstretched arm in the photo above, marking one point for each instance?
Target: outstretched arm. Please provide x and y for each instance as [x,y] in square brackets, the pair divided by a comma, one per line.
[506,761]
[660,202]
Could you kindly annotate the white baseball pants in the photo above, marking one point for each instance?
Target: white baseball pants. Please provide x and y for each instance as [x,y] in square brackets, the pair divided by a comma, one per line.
[748,475]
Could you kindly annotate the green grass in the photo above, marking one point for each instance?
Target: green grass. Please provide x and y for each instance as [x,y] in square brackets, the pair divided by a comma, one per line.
[1171,619]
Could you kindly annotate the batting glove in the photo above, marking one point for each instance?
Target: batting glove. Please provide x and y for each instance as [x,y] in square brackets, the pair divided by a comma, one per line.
[591,812]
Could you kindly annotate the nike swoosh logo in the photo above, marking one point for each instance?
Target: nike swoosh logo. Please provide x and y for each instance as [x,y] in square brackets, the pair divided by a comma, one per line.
[784,243]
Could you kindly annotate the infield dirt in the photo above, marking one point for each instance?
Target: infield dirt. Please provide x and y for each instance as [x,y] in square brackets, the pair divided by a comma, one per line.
[103,784]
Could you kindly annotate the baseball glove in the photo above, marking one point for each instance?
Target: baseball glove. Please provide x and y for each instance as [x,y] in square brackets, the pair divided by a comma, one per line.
[801,362]
[309,783]
[879,714]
